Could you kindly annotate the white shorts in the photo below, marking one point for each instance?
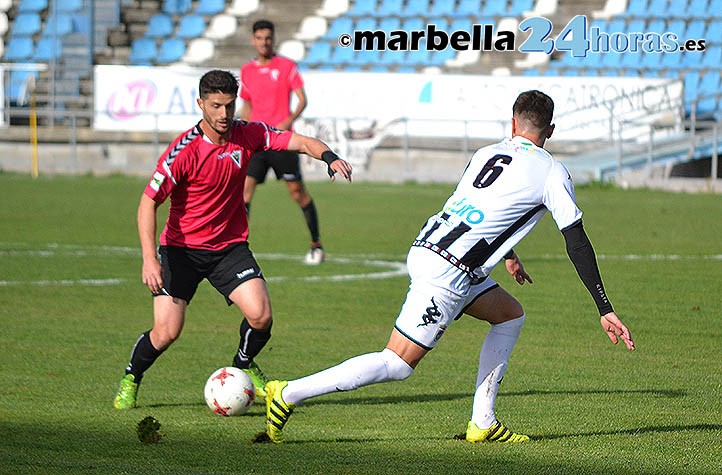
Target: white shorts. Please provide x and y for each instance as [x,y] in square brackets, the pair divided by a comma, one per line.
[438,294]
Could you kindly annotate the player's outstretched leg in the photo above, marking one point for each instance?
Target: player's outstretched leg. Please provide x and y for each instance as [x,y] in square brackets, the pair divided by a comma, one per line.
[498,432]
[277,410]
[127,393]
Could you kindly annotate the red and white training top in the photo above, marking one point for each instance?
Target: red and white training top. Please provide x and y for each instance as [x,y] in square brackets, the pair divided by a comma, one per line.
[205,184]
[268,88]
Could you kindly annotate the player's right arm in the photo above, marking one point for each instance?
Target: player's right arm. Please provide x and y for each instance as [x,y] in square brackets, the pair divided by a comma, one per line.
[147,226]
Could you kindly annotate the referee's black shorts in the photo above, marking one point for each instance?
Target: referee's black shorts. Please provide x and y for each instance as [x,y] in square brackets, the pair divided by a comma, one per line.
[184,268]
[286,165]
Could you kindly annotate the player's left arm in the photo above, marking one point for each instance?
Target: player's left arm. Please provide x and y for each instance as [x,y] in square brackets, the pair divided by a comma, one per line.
[320,151]
[582,255]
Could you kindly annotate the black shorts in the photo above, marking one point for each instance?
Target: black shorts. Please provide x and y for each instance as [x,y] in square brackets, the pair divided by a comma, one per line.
[184,269]
[286,165]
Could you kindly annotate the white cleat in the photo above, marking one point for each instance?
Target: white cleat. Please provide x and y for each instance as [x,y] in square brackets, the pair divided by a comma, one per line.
[314,256]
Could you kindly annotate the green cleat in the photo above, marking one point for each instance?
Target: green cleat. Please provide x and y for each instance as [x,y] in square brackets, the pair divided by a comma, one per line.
[277,410]
[258,377]
[127,393]
[496,433]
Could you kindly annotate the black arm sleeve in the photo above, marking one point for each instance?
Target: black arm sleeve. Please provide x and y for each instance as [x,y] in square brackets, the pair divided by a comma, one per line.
[582,255]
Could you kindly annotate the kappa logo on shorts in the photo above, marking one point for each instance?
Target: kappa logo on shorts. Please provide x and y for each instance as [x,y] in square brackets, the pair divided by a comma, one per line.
[431,316]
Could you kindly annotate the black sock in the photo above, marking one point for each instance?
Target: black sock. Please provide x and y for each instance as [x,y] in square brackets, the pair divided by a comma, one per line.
[142,357]
[252,342]
[309,212]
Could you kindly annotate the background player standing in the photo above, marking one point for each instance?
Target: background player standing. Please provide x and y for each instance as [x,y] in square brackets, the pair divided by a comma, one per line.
[503,193]
[206,235]
[266,86]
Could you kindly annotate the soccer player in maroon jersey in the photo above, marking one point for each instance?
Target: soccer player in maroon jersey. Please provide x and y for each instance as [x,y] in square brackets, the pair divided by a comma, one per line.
[267,83]
[206,235]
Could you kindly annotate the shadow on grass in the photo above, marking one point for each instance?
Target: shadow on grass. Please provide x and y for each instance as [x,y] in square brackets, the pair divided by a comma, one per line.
[637,431]
[343,400]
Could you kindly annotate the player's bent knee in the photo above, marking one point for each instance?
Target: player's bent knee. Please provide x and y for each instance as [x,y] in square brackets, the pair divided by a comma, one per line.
[397,368]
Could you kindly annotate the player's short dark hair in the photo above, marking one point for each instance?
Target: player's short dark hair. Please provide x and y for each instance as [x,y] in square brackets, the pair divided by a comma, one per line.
[535,108]
[263,25]
[218,81]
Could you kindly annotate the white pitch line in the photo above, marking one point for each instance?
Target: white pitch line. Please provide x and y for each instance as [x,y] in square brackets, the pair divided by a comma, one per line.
[62,283]
[393,268]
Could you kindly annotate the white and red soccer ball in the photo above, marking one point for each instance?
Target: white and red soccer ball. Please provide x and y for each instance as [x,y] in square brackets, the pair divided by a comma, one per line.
[229,391]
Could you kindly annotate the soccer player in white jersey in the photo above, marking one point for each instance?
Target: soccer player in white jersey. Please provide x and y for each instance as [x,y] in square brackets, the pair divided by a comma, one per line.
[504,191]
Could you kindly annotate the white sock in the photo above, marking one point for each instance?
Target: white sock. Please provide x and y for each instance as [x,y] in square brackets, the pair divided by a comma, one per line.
[493,360]
[351,374]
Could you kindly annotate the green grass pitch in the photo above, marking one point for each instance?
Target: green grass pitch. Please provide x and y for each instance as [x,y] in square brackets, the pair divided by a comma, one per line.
[71,306]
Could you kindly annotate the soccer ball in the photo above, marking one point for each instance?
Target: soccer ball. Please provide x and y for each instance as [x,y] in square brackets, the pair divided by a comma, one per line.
[229,391]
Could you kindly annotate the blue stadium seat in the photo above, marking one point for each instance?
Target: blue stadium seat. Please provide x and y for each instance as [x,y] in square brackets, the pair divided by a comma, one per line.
[636,8]
[518,7]
[338,26]
[413,24]
[318,53]
[714,32]
[658,8]
[712,58]
[460,24]
[34,6]
[191,26]
[19,49]
[143,51]
[468,8]
[494,8]
[696,29]
[362,8]
[715,8]
[69,6]
[365,23]
[442,8]
[692,59]
[171,50]
[635,26]
[177,7]
[210,7]
[416,8]
[389,24]
[652,61]
[671,61]
[47,49]
[368,58]
[441,23]
[26,24]
[656,25]
[389,7]
[59,24]
[160,25]
[695,8]
[676,26]
[341,56]
[391,58]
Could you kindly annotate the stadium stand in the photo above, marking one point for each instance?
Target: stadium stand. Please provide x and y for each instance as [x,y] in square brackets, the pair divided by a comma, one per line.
[216,33]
